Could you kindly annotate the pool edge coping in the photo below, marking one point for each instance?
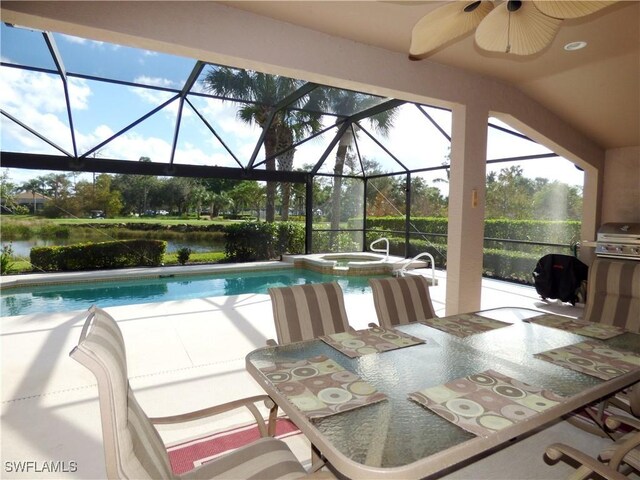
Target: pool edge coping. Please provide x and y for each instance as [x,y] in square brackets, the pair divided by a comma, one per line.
[54,278]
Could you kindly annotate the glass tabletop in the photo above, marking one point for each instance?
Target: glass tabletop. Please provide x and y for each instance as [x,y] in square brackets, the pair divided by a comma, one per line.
[397,432]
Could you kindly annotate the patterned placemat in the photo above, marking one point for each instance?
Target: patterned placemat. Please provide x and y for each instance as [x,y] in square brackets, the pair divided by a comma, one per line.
[320,387]
[465,324]
[485,402]
[373,340]
[593,358]
[594,330]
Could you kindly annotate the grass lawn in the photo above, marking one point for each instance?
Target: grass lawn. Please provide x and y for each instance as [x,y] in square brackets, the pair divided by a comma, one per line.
[157,220]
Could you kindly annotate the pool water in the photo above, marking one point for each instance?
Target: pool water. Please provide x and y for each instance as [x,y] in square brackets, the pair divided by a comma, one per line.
[79,296]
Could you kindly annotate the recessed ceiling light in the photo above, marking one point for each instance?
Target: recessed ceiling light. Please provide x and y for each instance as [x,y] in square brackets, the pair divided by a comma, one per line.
[570,47]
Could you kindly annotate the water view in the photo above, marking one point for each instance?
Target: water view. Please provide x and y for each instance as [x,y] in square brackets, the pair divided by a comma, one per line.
[22,248]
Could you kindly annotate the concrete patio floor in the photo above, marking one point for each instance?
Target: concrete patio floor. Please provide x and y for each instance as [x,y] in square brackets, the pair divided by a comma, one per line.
[186,355]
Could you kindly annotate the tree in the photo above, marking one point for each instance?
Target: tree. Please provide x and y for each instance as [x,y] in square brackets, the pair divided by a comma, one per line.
[175,193]
[137,190]
[557,201]
[34,186]
[56,185]
[509,194]
[8,191]
[348,101]
[426,201]
[218,197]
[198,196]
[262,92]
[247,194]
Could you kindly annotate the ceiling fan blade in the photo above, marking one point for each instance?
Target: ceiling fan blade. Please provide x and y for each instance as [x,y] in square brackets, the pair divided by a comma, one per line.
[570,9]
[445,24]
[522,31]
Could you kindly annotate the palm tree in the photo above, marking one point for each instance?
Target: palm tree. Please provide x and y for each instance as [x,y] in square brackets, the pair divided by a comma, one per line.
[34,186]
[287,126]
[348,101]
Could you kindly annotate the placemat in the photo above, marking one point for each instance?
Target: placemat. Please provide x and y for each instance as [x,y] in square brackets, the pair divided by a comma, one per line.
[320,387]
[373,340]
[594,330]
[486,402]
[593,358]
[465,324]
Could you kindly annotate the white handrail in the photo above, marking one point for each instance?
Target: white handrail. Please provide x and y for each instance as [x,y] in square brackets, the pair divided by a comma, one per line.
[403,270]
[380,250]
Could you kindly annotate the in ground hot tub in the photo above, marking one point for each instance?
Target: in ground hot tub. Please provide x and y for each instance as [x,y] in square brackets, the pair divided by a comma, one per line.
[355,263]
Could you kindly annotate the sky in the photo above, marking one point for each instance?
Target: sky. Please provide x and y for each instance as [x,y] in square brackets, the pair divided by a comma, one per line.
[100,109]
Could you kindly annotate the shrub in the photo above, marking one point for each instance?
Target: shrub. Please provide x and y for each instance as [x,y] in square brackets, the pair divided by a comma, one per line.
[183,255]
[342,242]
[501,264]
[6,260]
[289,238]
[249,241]
[252,241]
[132,253]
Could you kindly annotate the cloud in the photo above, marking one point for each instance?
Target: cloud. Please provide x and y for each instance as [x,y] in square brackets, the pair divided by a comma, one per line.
[37,100]
[88,43]
[155,81]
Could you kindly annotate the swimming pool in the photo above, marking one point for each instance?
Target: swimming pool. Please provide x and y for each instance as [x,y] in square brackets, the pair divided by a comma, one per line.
[79,296]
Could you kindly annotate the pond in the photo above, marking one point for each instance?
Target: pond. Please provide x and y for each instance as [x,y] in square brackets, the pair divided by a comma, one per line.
[22,248]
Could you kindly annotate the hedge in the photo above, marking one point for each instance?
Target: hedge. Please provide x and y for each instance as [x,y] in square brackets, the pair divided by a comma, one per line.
[88,256]
[502,264]
[253,241]
[549,231]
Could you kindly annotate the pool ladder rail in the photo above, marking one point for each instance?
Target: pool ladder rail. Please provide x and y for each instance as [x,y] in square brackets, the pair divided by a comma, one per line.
[403,271]
[381,250]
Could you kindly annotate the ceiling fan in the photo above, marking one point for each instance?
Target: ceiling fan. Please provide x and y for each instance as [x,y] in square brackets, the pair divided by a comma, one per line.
[515,27]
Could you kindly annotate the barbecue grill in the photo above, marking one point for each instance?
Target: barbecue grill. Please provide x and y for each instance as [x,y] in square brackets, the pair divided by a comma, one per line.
[619,240]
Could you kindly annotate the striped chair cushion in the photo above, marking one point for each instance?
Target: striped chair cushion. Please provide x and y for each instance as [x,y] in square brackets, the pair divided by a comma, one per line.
[132,445]
[267,458]
[401,300]
[303,312]
[613,295]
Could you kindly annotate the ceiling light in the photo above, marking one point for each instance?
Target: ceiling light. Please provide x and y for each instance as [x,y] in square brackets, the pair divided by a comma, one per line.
[572,46]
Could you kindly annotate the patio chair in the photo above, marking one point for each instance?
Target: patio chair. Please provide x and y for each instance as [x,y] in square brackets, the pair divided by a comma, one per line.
[133,448]
[613,294]
[401,300]
[616,460]
[304,312]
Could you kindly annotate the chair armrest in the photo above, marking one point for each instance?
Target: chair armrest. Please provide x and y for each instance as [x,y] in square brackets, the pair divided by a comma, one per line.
[614,421]
[320,475]
[555,452]
[248,402]
[625,444]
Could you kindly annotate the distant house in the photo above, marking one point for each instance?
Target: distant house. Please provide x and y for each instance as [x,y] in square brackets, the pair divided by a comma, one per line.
[33,203]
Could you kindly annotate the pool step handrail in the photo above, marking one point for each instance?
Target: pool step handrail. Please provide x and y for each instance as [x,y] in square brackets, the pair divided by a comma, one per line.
[402,272]
[380,250]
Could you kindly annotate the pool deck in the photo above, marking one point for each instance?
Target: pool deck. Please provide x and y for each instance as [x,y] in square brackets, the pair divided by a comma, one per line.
[186,355]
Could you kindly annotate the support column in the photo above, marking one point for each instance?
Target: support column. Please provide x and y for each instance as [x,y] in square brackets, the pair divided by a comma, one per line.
[591,211]
[466,208]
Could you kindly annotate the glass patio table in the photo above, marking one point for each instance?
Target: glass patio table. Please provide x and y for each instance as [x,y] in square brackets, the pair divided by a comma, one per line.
[399,438]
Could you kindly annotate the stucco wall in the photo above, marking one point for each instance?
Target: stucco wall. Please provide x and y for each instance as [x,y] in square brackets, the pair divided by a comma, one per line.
[621,190]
